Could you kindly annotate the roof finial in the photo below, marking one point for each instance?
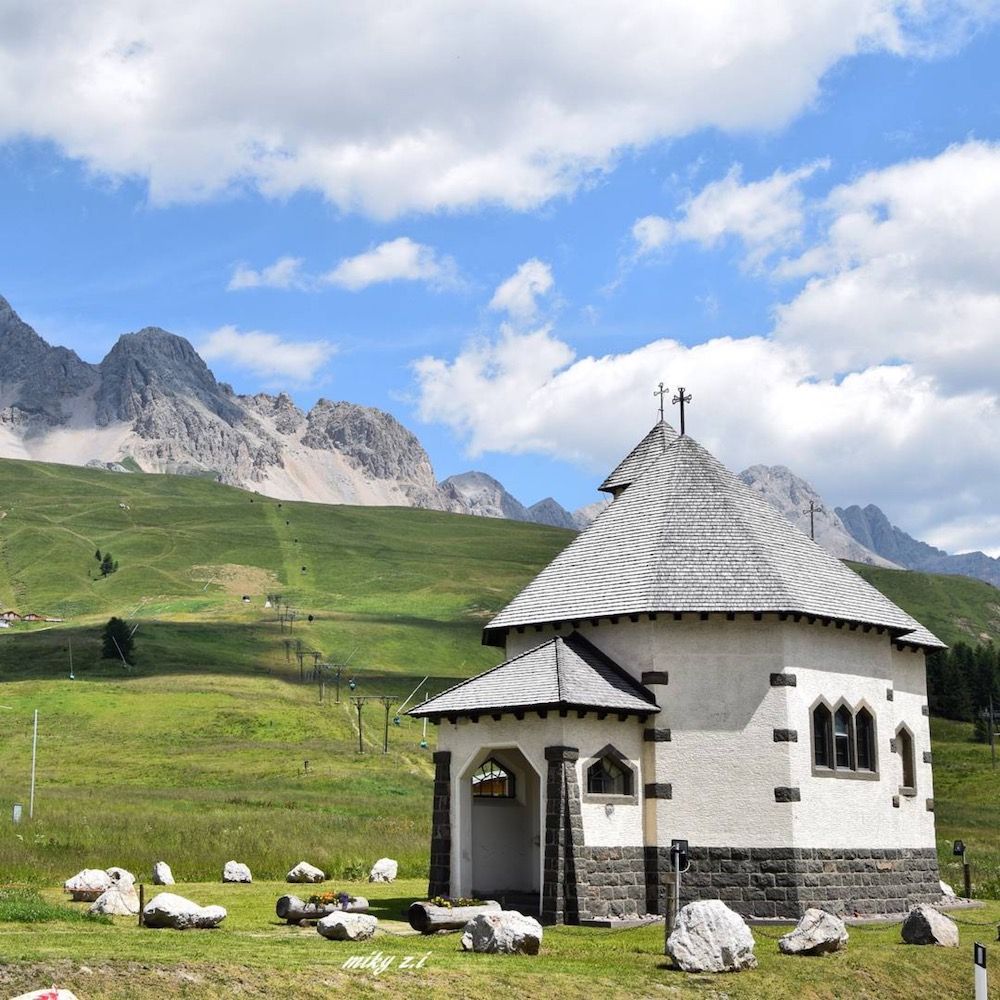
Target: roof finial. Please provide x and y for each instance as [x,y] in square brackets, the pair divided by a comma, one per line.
[682,399]
[661,392]
[812,510]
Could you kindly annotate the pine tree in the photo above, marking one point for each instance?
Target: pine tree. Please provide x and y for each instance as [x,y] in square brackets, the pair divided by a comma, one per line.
[116,641]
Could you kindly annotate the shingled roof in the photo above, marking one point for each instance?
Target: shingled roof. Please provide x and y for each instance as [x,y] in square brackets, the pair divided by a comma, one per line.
[687,535]
[563,673]
[647,450]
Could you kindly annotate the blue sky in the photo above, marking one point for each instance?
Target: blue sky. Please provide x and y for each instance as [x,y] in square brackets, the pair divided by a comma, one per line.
[818,261]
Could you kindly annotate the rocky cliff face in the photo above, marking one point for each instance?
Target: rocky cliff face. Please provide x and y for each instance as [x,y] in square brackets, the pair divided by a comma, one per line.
[154,400]
[872,528]
[792,495]
[484,496]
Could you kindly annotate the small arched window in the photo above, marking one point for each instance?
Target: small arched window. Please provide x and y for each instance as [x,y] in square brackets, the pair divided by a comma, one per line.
[864,725]
[843,738]
[492,780]
[608,776]
[904,746]
[822,737]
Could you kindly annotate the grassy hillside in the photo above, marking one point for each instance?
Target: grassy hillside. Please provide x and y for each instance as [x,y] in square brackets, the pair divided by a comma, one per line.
[955,608]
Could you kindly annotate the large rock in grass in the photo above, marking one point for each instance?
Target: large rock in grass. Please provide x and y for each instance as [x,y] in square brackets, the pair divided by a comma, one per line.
[817,933]
[304,872]
[162,875]
[121,876]
[236,872]
[504,933]
[947,891]
[925,925]
[87,885]
[49,994]
[710,937]
[347,926]
[120,900]
[384,870]
[169,910]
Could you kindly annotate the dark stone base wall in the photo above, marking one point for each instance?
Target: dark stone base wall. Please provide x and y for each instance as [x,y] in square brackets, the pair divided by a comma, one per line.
[612,882]
[784,882]
[439,883]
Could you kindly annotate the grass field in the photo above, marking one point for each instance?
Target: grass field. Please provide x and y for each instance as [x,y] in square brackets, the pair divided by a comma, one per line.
[197,753]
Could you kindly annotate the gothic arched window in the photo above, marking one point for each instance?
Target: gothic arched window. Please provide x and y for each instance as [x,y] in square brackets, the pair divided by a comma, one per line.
[864,729]
[609,776]
[843,739]
[904,747]
[491,780]
[822,737]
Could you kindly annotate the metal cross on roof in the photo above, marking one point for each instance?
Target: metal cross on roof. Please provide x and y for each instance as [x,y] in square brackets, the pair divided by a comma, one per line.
[812,510]
[682,399]
[661,392]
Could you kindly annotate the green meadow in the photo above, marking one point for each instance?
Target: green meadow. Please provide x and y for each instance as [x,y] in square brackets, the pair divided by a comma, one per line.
[214,745]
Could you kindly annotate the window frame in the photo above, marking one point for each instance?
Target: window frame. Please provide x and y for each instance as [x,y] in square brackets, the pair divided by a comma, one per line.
[498,765]
[903,730]
[604,798]
[832,769]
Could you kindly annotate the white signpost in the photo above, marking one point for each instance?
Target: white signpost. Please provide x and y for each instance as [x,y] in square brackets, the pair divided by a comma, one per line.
[979,957]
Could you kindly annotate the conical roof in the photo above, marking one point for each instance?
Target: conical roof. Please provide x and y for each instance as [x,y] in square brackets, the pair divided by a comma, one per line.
[687,535]
[561,673]
[647,450]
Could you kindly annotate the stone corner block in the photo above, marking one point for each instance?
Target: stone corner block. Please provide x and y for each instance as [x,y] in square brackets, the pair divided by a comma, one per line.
[786,736]
[783,680]
[655,677]
[784,794]
[564,754]
[659,790]
[654,735]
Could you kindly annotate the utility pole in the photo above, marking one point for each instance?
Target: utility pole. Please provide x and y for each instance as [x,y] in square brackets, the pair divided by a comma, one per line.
[359,703]
[386,704]
[34,757]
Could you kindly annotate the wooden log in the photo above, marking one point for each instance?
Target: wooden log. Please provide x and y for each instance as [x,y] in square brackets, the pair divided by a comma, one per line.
[295,911]
[428,918]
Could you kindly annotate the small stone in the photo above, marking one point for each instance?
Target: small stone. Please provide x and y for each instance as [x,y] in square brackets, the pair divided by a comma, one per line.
[119,900]
[169,910]
[305,872]
[506,932]
[925,925]
[347,926]
[817,933]
[87,885]
[710,937]
[384,870]
[162,875]
[234,871]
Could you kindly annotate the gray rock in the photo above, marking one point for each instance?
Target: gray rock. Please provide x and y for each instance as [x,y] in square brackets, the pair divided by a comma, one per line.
[87,885]
[816,933]
[925,925]
[504,933]
[162,875]
[169,910]
[384,870]
[344,926]
[120,900]
[234,871]
[305,872]
[710,937]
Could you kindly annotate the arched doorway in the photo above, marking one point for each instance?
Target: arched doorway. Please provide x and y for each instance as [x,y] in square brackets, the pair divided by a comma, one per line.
[503,794]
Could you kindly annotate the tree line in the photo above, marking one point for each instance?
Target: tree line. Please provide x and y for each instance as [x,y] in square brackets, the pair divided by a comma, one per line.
[962,680]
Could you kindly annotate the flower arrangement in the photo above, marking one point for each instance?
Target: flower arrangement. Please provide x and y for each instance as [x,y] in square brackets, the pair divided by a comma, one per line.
[449,903]
[342,899]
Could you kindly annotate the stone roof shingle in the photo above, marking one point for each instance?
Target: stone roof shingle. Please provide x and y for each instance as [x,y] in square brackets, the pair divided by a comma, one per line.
[647,450]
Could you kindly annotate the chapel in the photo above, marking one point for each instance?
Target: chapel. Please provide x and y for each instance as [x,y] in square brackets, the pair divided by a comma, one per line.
[692,666]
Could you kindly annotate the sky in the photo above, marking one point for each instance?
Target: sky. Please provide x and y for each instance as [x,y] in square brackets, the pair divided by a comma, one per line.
[507,223]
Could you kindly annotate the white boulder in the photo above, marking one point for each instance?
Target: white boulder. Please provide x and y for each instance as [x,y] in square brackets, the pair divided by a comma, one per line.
[87,885]
[506,932]
[119,900]
[305,872]
[710,937]
[925,925]
[169,910]
[347,926]
[946,890]
[236,872]
[121,876]
[384,870]
[815,934]
[162,875]
[50,994]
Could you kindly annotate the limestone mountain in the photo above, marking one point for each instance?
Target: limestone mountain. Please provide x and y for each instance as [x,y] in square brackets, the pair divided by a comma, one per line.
[870,527]
[154,402]
[483,495]
[792,495]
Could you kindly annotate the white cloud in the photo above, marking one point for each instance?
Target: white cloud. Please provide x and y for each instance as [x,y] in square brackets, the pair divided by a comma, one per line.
[766,216]
[400,259]
[267,354]
[518,295]
[285,272]
[424,105]
[907,267]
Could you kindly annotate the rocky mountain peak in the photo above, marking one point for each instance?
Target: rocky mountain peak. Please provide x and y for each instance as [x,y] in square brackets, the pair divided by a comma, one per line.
[483,495]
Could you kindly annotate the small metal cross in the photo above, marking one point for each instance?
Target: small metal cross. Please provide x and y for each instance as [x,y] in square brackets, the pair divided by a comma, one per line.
[682,399]
[812,510]
[661,392]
